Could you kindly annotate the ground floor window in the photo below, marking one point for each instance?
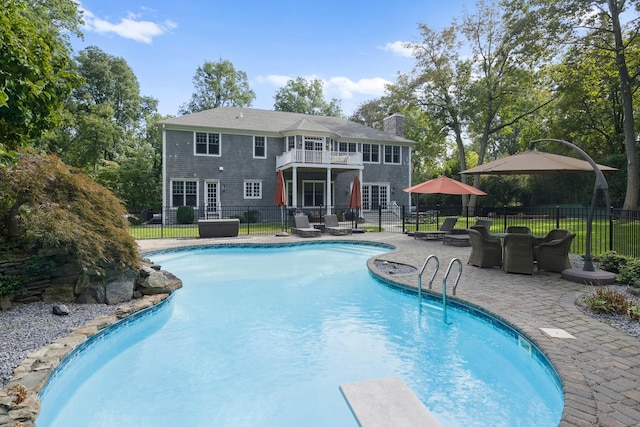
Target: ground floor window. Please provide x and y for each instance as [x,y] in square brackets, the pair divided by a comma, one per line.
[253,189]
[313,193]
[184,193]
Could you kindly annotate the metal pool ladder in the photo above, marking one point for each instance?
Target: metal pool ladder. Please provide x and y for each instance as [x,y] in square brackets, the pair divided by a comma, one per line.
[444,281]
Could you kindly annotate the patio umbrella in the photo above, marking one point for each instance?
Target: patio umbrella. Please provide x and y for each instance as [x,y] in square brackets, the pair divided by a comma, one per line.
[355,199]
[444,185]
[441,185]
[281,199]
[535,162]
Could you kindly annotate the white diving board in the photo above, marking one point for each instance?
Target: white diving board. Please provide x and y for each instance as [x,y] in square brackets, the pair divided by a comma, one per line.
[386,402]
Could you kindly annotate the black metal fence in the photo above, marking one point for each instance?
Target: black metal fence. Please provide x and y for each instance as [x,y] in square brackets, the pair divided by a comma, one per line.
[619,231]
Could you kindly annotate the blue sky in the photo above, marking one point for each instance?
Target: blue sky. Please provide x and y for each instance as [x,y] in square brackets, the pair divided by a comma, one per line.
[354,47]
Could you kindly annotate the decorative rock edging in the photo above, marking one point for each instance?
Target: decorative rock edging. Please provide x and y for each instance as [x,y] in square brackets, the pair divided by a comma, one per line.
[19,402]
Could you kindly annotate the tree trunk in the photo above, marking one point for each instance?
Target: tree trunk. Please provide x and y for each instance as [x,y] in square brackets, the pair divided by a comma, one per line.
[633,179]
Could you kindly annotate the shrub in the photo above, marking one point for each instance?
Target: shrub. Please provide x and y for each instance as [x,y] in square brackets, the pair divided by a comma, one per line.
[12,285]
[611,261]
[185,215]
[46,204]
[630,272]
[608,301]
[250,217]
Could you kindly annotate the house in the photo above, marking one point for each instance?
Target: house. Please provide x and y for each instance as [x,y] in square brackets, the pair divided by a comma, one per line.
[229,156]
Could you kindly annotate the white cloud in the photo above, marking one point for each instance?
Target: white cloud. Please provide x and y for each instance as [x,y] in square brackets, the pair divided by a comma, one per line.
[131,27]
[398,48]
[347,88]
[340,87]
[274,79]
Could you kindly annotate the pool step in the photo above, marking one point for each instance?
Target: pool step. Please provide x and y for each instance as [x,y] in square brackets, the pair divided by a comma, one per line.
[386,402]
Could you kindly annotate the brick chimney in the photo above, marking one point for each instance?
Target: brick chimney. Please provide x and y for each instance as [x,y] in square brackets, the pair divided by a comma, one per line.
[394,124]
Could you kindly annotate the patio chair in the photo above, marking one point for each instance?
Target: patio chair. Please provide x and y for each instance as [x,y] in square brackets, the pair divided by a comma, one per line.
[333,226]
[553,255]
[518,253]
[303,228]
[446,227]
[486,250]
[555,234]
[521,229]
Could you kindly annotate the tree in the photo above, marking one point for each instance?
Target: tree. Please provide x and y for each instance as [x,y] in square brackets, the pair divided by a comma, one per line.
[218,84]
[437,84]
[571,23]
[305,97]
[36,75]
[45,204]
[502,92]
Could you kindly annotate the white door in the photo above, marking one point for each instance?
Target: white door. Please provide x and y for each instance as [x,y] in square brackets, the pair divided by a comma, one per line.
[212,201]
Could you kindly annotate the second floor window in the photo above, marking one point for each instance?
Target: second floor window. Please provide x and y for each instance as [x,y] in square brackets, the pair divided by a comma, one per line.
[260,147]
[207,143]
[347,147]
[392,154]
[291,142]
[252,189]
[370,153]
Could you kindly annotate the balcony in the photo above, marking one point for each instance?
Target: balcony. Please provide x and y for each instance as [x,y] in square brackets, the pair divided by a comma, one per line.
[319,158]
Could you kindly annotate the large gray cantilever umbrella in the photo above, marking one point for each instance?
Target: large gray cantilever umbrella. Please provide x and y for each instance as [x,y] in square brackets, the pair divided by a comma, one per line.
[535,162]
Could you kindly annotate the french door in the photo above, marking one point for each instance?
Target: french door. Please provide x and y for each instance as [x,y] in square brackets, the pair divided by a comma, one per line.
[374,196]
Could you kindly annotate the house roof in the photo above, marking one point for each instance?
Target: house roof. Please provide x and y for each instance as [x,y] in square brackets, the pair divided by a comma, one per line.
[280,122]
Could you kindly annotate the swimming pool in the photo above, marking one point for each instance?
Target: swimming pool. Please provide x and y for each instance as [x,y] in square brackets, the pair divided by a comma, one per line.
[264,336]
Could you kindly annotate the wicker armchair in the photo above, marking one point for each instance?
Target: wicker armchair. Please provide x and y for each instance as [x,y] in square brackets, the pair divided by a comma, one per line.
[518,253]
[517,229]
[486,250]
[555,234]
[553,255]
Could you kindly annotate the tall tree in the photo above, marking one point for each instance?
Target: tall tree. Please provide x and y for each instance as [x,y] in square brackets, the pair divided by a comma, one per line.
[218,84]
[102,114]
[36,75]
[502,91]
[571,22]
[306,97]
[437,83]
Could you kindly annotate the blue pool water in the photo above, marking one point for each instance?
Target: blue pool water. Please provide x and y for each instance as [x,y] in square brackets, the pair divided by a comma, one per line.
[264,337]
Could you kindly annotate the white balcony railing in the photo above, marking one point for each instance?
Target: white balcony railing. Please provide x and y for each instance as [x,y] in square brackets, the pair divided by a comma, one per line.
[318,157]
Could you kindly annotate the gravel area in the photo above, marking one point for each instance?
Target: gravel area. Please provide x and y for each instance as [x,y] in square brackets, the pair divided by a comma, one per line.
[29,327]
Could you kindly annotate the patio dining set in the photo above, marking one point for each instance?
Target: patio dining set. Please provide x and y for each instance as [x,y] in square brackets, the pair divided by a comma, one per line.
[516,250]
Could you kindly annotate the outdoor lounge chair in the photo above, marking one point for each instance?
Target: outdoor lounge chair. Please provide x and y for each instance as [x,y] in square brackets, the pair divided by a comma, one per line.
[486,250]
[303,228]
[553,255]
[484,223]
[446,227]
[518,253]
[333,226]
[460,237]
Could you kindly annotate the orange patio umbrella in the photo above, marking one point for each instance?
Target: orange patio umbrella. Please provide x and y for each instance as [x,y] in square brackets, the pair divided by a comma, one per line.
[444,185]
[355,199]
[281,199]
